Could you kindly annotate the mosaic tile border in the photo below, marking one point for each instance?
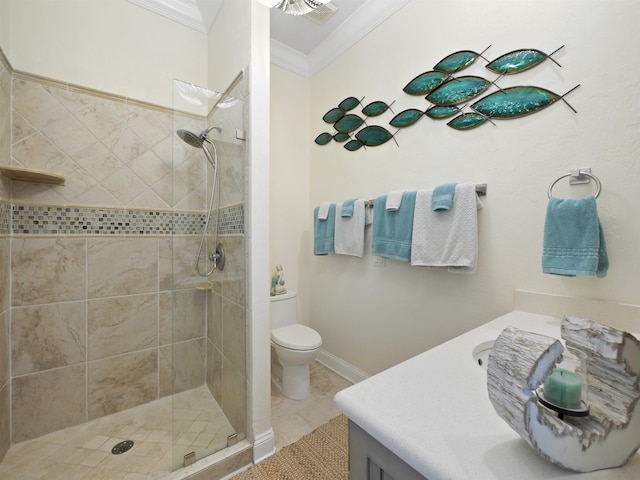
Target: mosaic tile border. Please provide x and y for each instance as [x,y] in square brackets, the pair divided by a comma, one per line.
[61,220]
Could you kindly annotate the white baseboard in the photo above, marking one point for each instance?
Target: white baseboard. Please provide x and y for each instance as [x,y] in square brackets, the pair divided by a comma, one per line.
[348,371]
[264,445]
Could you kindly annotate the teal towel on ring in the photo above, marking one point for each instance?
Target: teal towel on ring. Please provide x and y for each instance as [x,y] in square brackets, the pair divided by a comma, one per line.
[573,242]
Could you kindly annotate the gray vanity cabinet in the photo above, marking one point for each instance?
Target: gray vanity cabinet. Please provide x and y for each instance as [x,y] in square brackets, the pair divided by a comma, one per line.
[370,460]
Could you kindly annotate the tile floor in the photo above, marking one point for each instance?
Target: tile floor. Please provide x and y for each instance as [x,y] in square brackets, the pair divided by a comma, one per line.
[84,452]
[292,419]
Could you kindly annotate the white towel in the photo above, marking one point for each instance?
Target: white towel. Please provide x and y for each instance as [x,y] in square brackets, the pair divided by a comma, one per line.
[449,238]
[349,231]
[394,199]
[323,211]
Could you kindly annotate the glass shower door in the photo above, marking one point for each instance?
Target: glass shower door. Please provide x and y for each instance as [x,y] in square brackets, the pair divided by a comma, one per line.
[207,349]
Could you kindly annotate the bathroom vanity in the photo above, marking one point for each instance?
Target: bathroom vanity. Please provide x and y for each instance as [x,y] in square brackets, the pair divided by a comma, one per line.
[430,417]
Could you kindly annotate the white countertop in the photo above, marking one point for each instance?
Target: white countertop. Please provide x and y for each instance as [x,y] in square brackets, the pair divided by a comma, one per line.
[433,411]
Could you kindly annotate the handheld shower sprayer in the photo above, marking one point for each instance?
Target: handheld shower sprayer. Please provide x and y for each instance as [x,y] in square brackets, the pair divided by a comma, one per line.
[198,141]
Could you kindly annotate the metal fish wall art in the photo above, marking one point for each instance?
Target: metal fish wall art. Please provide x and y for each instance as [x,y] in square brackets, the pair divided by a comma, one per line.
[519,61]
[406,118]
[376,108]
[514,102]
[323,138]
[333,115]
[448,95]
[458,90]
[438,111]
[467,121]
[458,61]
[425,83]
[374,135]
[348,123]
[349,103]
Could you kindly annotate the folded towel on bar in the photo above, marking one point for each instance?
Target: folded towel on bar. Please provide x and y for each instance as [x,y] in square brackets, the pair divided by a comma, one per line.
[443,196]
[347,207]
[447,238]
[392,229]
[323,210]
[349,231]
[324,231]
[394,200]
[573,242]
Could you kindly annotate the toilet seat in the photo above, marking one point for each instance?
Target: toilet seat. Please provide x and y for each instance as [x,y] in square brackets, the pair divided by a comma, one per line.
[296,337]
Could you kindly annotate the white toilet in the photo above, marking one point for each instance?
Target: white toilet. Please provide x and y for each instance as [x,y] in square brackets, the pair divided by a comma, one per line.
[295,346]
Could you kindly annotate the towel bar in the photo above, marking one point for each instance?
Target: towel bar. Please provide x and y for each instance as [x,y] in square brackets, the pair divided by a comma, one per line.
[582,172]
[481,189]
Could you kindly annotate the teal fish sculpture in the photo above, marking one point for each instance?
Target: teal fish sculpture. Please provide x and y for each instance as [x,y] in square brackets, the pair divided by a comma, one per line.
[514,102]
[519,61]
[458,61]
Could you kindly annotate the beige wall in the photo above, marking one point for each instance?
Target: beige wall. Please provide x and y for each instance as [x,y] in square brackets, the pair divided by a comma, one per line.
[375,317]
[290,182]
[113,46]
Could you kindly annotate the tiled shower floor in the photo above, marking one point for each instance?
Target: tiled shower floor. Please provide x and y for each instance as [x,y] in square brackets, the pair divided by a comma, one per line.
[83,452]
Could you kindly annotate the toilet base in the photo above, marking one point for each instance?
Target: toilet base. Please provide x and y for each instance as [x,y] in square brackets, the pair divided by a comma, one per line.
[296,384]
[290,371]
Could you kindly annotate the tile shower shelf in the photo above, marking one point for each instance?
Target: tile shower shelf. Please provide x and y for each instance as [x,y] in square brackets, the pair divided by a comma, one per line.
[21,174]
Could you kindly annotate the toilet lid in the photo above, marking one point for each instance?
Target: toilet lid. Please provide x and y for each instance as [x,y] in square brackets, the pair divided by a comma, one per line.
[296,337]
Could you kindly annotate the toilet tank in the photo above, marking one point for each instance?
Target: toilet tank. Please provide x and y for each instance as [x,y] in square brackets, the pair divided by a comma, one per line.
[283,310]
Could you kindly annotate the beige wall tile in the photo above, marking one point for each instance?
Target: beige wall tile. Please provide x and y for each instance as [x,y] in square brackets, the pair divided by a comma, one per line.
[233,274]
[165,364]
[5,278]
[214,371]
[118,383]
[5,350]
[47,401]
[5,420]
[214,319]
[188,364]
[47,270]
[165,264]
[184,256]
[233,396]
[233,334]
[121,266]
[189,318]
[48,336]
[120,325]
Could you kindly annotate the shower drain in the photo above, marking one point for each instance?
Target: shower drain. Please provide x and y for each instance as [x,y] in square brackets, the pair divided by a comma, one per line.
[122,447]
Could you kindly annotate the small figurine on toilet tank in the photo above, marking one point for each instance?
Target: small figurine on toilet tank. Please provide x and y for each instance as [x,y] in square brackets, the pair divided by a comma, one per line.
[277,282]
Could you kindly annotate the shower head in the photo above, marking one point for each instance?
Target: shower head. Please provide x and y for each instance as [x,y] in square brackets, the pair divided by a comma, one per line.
[197,140]
[191,138]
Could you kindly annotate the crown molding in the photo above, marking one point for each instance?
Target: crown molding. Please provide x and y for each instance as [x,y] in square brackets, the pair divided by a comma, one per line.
[289,59]
[363,21]
[185,12]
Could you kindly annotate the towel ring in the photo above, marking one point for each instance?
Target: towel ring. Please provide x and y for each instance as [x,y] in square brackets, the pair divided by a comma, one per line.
[586,174]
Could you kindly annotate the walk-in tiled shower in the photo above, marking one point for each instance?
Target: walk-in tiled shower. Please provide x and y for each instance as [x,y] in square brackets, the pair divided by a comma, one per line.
[101,312]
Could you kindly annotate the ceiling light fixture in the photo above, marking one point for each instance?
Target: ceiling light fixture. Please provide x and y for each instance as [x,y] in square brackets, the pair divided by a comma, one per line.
[294,7]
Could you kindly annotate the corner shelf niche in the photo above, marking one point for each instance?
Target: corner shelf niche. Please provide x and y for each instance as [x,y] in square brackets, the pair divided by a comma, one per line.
[31,175]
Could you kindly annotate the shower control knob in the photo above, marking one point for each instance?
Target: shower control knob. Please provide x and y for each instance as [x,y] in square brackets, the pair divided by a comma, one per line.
[218,258]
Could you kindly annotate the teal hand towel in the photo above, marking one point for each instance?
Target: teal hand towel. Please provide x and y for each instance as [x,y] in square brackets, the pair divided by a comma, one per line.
[574,241]
[324,231]
[443,197]
[392,230]
[347,207]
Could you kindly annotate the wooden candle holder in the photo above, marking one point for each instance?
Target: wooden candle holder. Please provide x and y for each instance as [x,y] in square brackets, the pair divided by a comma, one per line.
[609,436]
